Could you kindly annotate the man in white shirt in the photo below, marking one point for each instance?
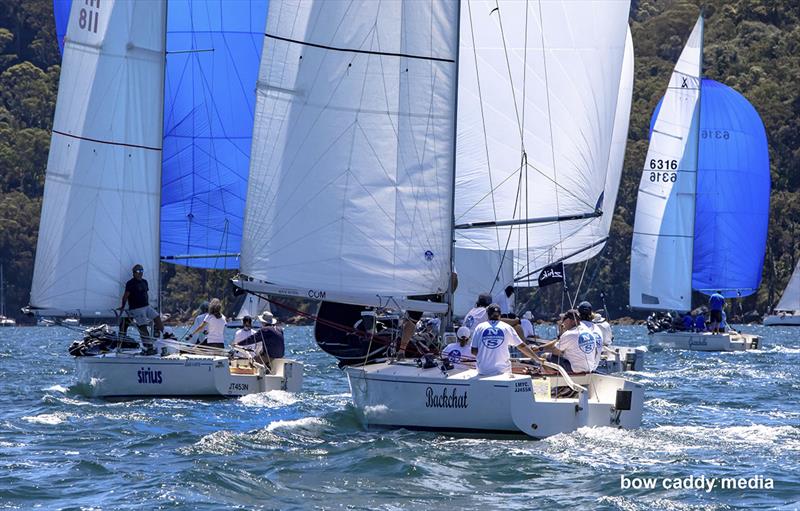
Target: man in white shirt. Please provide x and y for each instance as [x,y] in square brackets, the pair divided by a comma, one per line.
[477,314]
[491,341]
[579,345]
[505,299]
[244,332]
[459,351]
[527,324]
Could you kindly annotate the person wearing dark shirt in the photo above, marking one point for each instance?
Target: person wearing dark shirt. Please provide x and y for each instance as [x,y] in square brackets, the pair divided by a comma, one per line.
[267,342]
[688,322]
[715,304]
[135,296]
[700,322]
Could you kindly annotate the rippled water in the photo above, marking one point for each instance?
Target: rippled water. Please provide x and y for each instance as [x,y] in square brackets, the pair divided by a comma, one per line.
[707,414]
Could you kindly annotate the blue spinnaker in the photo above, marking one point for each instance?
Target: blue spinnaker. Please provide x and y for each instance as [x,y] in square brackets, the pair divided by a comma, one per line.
[733,188]
[213,55]
[61,14]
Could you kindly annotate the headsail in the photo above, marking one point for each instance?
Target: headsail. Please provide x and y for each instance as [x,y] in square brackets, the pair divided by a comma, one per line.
[790,300]
[350,184]
[538,92]
[733,170]
[101,197]
[661,252]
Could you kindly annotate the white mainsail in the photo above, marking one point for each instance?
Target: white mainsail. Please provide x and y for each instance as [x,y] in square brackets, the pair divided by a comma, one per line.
[101,199]
[790,299]
[537,116]
[351,175]
[663,237]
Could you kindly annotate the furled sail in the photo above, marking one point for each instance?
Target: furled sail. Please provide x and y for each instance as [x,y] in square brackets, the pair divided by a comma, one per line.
[101,198]
[790,300]
[732,170]
[351,173]
[213,55]
[538,91]
[661,252]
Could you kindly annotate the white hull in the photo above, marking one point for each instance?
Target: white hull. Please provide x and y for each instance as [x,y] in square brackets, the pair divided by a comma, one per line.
[617,359]
[706,341]
[7,322]
[783,319]
[403,395]
[131,374]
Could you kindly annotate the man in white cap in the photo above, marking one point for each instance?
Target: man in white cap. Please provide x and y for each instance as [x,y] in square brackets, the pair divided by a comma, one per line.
[267,342]
[459,351]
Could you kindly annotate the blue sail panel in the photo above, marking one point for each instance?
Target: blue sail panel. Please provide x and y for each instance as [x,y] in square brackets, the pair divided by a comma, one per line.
[213,55]
[733,189]
[61,14]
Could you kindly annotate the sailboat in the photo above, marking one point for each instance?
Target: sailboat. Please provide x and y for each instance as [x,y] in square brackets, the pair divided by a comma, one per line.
[103,209]
[4,321]
[787,313]
[252,306]
[703,203]
[354,174]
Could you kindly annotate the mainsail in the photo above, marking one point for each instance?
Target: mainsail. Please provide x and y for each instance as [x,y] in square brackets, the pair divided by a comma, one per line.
[351,176]
[101,200]
[661,253]
[544,99]
[790,300]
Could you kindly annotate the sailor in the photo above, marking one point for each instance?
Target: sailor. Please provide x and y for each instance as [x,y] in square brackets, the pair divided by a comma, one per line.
[700,322]
[267,342]
[491,341]
[505,299]
[477,314]
[459,351]
[139,309]
[198,320]
[213,323]
[578,347]
[413,317]
[527,325]
[688,321]
[586,313]
[244,332]
[715,303]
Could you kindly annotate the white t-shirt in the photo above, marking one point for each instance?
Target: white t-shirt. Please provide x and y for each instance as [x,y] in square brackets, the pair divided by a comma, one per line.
[605,331]
[493,339]
[457,353]
[216,329]
[506,303]
[582,346]
[242,334]
[527,327]
[475,317]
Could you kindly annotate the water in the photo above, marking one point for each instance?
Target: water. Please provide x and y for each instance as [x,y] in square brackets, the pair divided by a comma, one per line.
[707,414]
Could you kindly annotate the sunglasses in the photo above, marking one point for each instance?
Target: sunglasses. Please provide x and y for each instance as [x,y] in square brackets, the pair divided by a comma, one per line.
[138,271]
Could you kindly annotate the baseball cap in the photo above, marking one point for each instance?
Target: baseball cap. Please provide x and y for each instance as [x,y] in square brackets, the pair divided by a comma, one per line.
[462,332]
[484,300]
[584,307]
[492,309]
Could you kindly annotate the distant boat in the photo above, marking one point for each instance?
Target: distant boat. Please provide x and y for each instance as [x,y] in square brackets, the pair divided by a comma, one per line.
[352,192]
[103,208]
[252,306]
[787,313]
[4,321]
[703,204]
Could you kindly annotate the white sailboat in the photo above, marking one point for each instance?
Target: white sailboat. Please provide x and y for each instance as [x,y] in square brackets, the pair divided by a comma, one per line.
[4,320]
[101,209]
[252,306]
[353,170]
[787,313]
[672,252]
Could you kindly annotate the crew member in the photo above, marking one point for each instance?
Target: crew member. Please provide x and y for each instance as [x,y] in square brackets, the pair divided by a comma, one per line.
[491,342]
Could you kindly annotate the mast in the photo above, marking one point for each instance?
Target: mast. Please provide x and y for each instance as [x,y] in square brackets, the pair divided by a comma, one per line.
[697,143]
[450,290]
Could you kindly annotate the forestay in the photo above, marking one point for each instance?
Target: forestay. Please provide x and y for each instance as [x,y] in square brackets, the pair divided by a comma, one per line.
[101,198]
[351,175]
[539,84]
[661,252]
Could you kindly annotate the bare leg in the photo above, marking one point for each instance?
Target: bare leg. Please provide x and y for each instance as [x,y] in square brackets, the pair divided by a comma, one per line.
[409,325]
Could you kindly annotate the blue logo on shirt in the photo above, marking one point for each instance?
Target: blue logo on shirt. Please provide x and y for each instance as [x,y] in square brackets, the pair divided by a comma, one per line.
[587,342]
[469,321]
[492,337]
[454,356]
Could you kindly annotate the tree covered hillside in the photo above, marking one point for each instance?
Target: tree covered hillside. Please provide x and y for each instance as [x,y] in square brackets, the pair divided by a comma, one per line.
[750,45]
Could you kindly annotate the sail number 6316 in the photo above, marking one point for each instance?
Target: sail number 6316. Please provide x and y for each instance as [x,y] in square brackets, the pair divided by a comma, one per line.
[658,164]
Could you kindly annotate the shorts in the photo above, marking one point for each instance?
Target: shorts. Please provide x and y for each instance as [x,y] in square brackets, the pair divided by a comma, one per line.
[716,316]
[143,315]
[415,316]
